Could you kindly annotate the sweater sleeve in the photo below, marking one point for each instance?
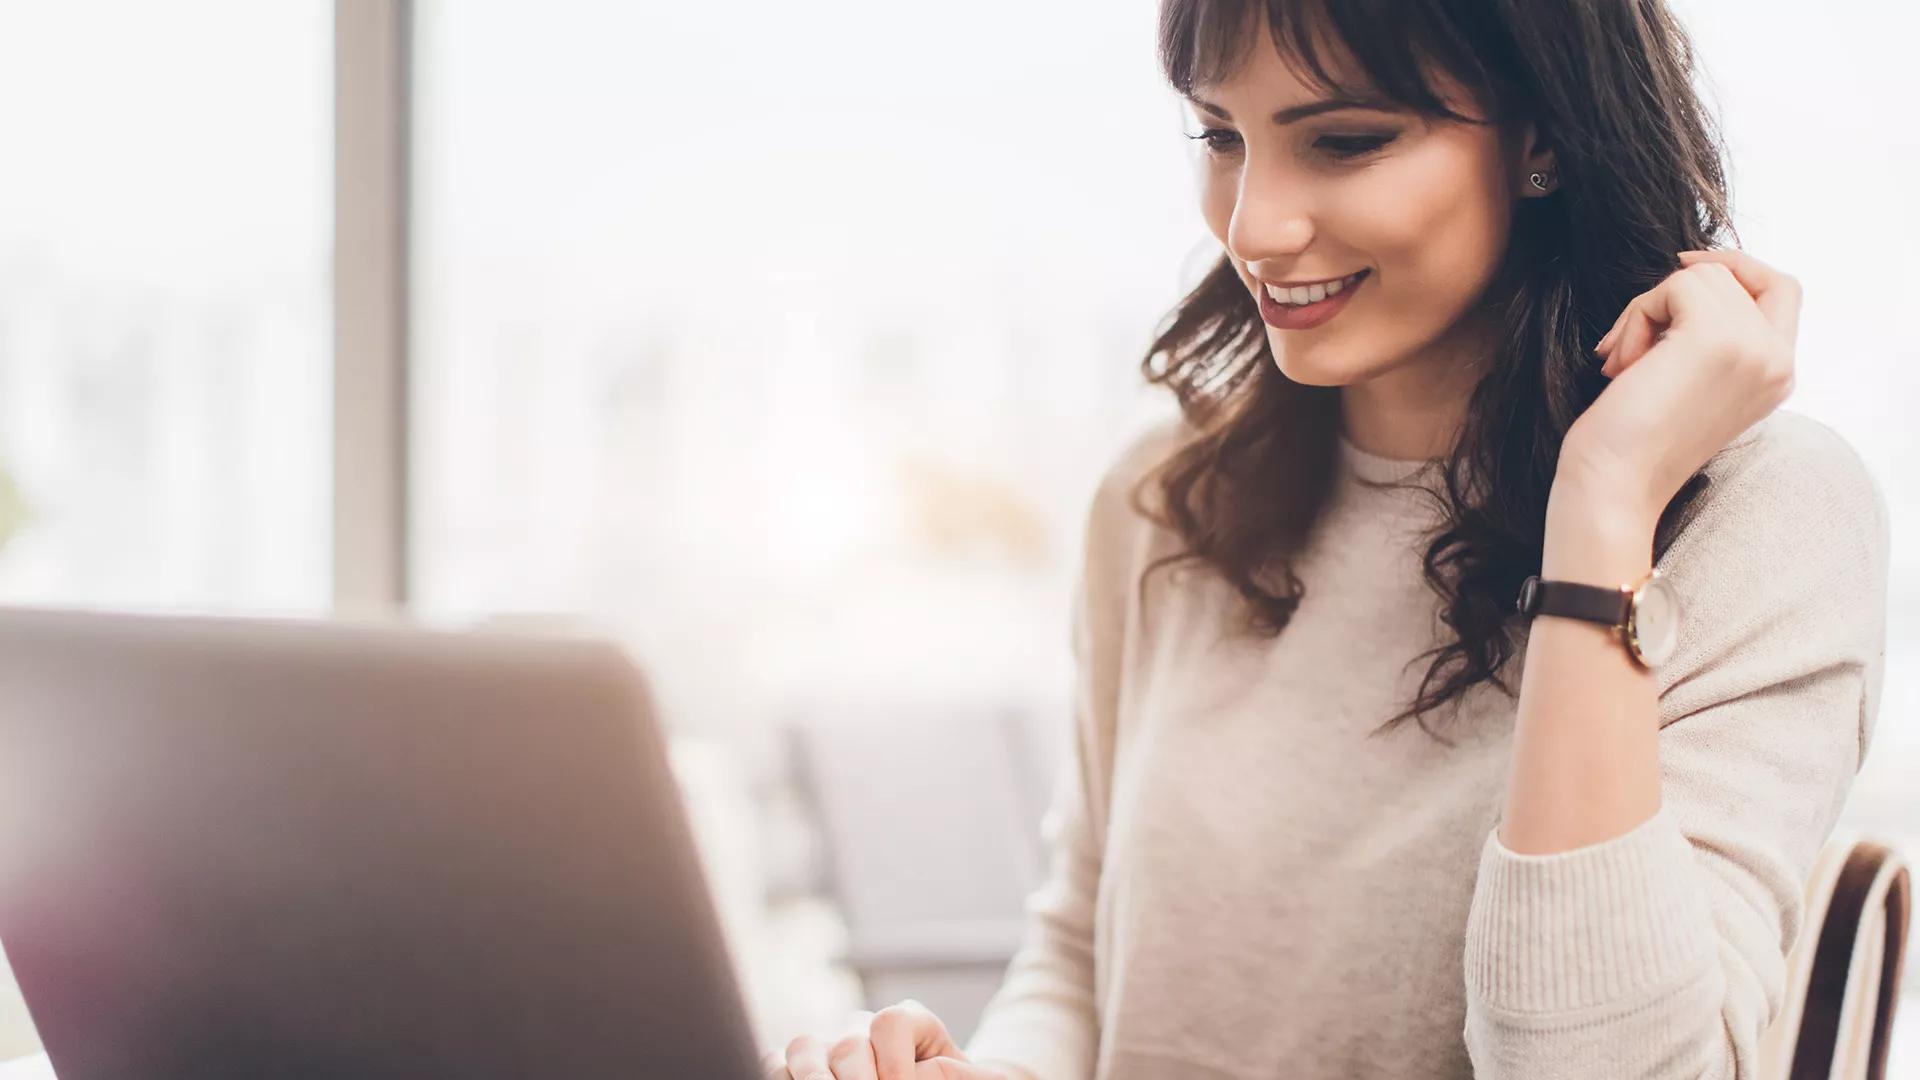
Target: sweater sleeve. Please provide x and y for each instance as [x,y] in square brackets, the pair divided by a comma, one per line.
[1043,1018]
[1662,952]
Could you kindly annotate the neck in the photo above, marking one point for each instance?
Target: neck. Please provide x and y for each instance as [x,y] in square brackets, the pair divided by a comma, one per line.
[1414,411]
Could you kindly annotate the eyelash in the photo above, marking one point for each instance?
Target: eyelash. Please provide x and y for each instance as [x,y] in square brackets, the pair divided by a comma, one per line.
[1355,146]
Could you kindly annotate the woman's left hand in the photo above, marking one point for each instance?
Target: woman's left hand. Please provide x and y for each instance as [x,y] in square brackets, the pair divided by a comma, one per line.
[1695,361]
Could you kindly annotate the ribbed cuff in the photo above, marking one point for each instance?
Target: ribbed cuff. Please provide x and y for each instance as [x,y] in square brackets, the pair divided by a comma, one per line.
[1613,923]
[1046,1042]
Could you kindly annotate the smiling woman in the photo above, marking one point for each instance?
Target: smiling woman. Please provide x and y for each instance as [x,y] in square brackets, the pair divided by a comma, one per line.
[1410,158]
[1428,212]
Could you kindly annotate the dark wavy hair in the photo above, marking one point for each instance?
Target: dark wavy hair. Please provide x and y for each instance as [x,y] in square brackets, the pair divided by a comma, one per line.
[1641,177]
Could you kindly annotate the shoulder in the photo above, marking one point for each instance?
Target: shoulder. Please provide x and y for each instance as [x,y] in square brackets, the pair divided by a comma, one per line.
[1787,478]
[1141,451]
[1118,538]
[1782,563]
[1112,512]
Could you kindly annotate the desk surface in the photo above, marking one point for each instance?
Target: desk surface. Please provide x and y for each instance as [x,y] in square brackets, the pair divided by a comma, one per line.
[32,1067]
[1903,1056]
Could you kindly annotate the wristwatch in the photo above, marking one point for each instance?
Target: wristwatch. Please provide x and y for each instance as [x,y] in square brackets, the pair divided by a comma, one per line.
[1647,612]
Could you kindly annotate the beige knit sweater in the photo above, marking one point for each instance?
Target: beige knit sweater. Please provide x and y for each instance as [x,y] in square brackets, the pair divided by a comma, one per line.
[1243,884]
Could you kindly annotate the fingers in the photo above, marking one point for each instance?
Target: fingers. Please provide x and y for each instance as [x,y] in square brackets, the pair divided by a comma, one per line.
[1776,294]
[891,1044]
[1606,340]
[946,1068]
[905,1034]
[1635,336]
[1604,347]
[806,1059]
[1638,326]
[848,1056]
[1648,316]
[800,1060]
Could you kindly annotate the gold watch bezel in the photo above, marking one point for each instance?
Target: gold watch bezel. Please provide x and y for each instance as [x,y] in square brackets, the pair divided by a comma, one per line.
[1631,629]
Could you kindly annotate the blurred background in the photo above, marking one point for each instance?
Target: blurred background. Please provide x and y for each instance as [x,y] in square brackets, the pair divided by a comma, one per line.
[784,342]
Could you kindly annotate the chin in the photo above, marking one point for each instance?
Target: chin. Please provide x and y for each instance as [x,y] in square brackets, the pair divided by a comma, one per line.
[1312,367]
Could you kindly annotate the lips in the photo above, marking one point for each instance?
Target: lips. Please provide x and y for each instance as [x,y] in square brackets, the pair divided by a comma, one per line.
[1310,291]
[1306,316]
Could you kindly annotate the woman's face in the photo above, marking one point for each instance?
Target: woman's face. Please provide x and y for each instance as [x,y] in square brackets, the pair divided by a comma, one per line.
[1421,210]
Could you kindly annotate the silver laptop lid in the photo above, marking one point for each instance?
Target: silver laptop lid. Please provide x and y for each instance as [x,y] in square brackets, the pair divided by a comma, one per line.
[252,847]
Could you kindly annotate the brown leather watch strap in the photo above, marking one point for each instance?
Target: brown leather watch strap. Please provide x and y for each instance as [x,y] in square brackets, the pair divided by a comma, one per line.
[1539,596]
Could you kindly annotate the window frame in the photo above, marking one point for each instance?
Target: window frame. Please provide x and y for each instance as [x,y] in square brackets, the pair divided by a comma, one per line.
[373,41]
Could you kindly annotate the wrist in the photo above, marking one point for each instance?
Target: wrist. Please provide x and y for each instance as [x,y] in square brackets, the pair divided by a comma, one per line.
[1599,481]
[1596,534]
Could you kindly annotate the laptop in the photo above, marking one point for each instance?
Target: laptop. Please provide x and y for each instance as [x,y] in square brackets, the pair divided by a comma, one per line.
[236,847]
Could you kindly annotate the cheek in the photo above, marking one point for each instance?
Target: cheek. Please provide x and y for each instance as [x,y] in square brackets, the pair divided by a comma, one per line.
[1435,221]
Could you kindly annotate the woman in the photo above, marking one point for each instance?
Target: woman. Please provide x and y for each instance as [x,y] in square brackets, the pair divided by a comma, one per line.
[1399,442]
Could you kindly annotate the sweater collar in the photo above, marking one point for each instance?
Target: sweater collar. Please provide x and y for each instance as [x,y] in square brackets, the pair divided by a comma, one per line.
[1376,468]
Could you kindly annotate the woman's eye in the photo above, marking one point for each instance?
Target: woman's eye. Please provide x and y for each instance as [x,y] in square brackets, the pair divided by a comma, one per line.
[1220,142]
[1216,140]
[1350,146]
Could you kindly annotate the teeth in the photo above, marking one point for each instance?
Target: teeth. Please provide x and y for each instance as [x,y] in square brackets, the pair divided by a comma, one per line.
[1309,294]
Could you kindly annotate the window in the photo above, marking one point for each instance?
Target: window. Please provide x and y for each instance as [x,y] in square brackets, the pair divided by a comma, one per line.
[1826,209]
[164,231]
[787,351]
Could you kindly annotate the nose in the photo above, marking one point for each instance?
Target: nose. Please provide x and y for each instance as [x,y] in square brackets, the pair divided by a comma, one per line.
[1271,221]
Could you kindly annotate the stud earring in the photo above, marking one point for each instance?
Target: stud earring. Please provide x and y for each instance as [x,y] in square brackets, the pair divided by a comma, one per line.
[1541,180]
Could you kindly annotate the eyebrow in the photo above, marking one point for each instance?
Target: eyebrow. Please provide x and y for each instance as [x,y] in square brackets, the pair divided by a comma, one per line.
[1300,112]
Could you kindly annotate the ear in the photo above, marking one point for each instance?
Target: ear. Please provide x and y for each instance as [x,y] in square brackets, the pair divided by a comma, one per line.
[1536,156]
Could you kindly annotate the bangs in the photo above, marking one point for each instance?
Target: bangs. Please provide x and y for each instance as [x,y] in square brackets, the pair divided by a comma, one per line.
[1365,48]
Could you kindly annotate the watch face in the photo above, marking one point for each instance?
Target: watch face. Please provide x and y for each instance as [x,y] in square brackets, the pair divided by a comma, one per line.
[1654,626]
